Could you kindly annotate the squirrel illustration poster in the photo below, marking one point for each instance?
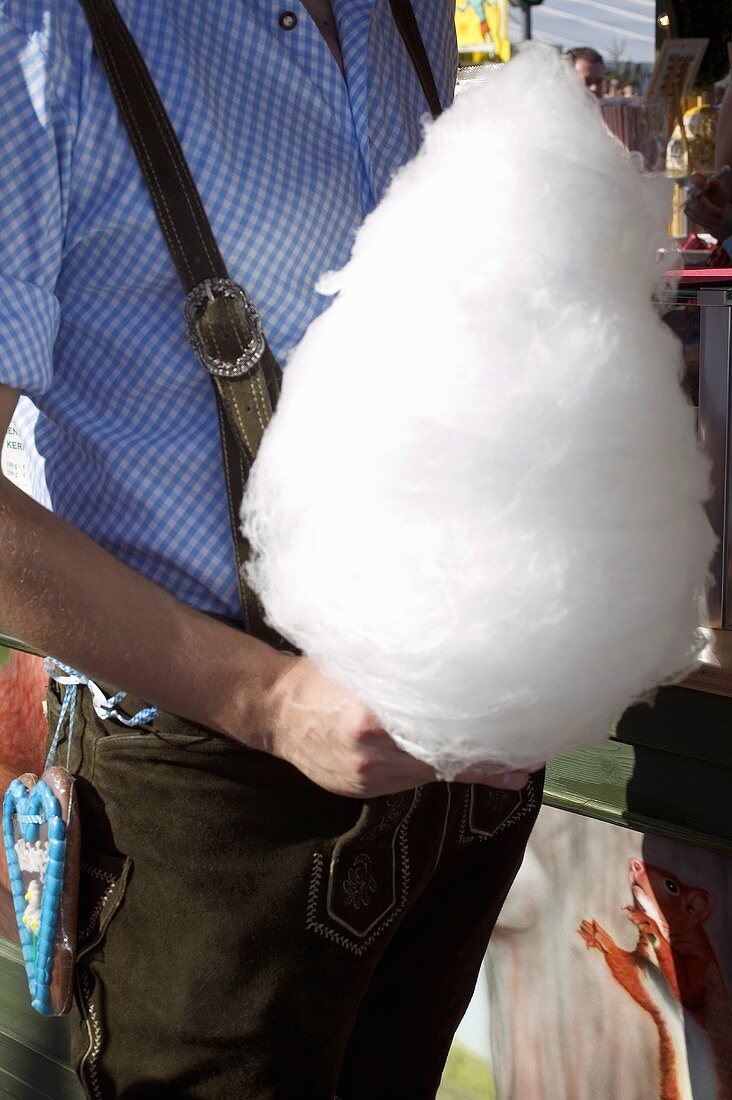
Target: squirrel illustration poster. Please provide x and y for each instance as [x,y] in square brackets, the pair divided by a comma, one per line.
[673,975]
[568,1021]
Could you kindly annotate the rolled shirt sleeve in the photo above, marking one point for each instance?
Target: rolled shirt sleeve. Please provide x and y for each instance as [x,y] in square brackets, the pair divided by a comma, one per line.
[35,153]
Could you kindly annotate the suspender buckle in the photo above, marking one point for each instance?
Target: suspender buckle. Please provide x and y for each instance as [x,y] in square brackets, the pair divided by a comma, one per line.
[224,328]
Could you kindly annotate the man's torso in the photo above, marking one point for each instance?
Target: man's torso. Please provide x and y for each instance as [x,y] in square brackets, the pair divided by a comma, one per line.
[288,156]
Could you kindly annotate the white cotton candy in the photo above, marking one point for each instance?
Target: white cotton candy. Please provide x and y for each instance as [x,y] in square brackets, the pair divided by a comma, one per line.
[479,505]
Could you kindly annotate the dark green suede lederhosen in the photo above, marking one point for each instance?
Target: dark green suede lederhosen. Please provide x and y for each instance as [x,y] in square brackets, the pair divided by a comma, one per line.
[246,935]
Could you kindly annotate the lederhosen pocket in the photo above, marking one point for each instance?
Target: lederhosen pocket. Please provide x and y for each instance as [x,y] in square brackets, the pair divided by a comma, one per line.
[361,885]
[489,811]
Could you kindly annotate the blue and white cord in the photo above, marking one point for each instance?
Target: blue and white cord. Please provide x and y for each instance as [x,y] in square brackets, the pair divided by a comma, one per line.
[103,707]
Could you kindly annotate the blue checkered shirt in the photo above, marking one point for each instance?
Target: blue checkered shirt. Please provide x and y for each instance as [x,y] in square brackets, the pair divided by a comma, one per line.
[118,417]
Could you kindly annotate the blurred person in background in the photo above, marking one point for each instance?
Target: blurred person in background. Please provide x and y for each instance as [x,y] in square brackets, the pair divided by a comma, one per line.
[710,203]
[591,67]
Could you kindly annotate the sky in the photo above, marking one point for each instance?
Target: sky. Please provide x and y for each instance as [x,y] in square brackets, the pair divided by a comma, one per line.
[599,23]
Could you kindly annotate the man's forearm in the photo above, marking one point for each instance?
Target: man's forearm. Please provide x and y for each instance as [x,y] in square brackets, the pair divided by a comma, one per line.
[63,594]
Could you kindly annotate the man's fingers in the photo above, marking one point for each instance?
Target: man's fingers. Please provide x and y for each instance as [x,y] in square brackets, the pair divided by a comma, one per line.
[716,193]
[705,214]
[702,203]
[700,185]
[339,743]
[706,203]
[478,773]
[697,185]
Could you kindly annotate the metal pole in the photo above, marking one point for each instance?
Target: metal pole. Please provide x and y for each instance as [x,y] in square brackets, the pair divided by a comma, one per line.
[527,20]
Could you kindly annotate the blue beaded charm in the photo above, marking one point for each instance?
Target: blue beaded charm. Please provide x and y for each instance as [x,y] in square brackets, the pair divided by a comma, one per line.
[36,834]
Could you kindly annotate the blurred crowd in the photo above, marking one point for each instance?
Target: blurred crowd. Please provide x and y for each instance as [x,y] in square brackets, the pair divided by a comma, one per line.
[709,200]
[591,67]
[709,204]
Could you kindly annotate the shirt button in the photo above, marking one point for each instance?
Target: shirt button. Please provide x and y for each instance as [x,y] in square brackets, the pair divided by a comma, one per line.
[288,20]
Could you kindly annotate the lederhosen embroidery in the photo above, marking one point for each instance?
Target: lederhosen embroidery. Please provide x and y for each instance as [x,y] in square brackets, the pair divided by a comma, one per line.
[488,811]
[366,885]
[103,883]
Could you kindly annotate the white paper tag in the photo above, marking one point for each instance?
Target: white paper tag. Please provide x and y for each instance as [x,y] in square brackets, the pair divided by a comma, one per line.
[14,464]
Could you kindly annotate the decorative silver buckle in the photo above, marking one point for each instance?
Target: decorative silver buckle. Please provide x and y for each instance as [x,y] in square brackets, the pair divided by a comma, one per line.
[196,304]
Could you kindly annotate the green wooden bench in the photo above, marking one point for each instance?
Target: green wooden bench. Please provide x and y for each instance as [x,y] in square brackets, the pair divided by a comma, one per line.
[33,1050]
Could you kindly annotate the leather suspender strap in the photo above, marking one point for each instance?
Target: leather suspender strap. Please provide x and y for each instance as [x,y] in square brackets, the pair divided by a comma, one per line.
[223,324]
[175,197]
[406,22]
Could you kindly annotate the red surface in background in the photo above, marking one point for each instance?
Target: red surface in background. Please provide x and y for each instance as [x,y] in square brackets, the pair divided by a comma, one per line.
[23,683]
[702,275]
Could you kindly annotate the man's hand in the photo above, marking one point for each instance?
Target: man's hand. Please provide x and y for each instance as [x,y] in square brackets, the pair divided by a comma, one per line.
[338,743]
[65,595]
[708,205]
